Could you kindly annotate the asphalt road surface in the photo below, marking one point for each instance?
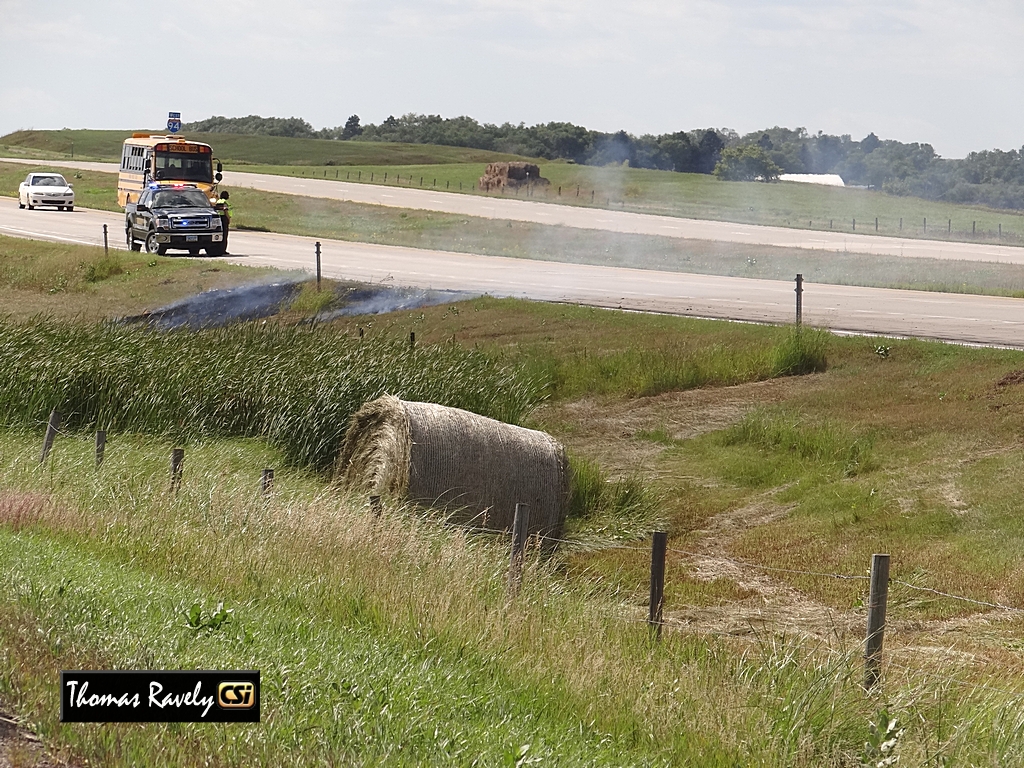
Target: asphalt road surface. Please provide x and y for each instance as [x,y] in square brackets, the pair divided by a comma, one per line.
[952,317]
[601,219]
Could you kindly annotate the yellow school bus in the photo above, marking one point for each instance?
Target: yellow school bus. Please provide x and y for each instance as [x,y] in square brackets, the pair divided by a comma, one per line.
[148,159]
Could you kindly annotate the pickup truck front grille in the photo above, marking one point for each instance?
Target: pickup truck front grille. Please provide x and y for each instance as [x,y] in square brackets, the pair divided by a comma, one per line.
[190,222]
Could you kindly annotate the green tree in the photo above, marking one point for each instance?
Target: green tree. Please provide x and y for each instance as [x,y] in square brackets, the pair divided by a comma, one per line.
[746,163]
[352,128]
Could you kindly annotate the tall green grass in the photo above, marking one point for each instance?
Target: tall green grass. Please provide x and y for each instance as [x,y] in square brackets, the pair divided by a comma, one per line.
[296,387]
[642,372]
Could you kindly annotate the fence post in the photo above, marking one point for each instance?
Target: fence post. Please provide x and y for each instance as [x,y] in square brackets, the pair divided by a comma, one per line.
[974,228]
[318,266]
[101,446]
[799,299]
[876,223]
[412,339]
[51,432]
[901,223]
[520,525]
[267,481]
[177,459]
[1000,230]
[925,223]
[106,249]
[659,546]
[854,225]
[949,227]
[877,600]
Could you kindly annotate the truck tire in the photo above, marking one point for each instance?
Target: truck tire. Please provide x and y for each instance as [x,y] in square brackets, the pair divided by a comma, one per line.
[153,247]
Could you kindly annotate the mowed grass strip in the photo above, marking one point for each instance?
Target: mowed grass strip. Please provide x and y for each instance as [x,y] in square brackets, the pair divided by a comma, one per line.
[87,284]
[394,642]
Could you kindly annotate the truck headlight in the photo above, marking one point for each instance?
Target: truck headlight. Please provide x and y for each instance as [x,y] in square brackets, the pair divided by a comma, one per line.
[163,222]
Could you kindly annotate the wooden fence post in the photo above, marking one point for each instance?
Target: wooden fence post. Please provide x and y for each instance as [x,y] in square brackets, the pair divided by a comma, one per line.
[877,601]
[51,432]
[520,525]
[177,459]
[101,446]
[659,546]
[267,481]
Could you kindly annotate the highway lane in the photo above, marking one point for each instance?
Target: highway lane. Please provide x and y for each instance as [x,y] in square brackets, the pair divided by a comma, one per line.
[600,219]
[952,317]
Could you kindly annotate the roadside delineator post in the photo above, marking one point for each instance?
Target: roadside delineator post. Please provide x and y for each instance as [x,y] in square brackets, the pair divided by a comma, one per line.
[799,299]
[318,266]
[655,615]
[877,600]
[106,249]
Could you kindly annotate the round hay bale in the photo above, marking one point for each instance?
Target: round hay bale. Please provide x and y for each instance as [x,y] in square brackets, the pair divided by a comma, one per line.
[474,468]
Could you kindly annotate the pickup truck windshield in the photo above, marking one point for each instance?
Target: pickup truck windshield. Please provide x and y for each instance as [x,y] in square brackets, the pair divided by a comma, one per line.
[179,198]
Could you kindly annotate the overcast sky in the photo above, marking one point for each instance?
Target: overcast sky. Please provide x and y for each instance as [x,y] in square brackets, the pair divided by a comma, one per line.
[947,72]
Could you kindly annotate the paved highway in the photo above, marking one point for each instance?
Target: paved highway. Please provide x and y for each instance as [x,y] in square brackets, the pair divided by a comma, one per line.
[953,317]
[596,218]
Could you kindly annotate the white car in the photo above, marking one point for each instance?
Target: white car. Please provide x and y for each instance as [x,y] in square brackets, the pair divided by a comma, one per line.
[46,189]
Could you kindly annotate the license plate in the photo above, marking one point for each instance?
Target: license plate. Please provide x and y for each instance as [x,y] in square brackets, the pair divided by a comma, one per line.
[191,238]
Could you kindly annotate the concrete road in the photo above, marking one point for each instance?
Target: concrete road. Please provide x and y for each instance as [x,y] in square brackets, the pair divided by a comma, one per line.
[600,219]
[953,317]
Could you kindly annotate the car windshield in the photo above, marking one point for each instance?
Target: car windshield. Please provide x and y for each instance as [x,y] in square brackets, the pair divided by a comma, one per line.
[180,198]
[48,181]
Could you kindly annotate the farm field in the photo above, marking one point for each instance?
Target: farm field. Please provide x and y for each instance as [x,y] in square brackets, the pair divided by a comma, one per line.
[395,643]
[787,204]
[318,217]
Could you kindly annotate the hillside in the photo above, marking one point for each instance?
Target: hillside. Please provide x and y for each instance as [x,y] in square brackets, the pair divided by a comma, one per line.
[241,150]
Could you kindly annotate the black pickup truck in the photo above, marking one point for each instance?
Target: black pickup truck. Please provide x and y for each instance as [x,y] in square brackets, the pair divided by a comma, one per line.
[179,217]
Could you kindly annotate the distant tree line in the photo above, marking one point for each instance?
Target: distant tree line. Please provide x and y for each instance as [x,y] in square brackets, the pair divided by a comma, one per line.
[992,177]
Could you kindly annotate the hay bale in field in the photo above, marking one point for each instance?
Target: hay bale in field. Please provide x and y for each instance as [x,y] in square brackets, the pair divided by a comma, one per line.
[470,466]
[518,174]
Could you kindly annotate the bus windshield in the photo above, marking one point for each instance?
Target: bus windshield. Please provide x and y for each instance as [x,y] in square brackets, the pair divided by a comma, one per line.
[183,167]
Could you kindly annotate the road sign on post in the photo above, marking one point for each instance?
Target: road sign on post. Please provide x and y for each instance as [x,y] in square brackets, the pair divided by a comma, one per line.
[174,121]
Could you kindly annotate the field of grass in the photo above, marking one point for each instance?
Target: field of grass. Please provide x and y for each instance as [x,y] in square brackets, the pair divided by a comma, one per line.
[234,149]
[394,642]
[786,204]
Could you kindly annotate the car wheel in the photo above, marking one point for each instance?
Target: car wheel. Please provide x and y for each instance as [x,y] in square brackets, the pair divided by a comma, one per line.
[193,251]
[31,207]
[133,244]
[21,204]
[152,246]
[60,207]
[215,250]
[71,208]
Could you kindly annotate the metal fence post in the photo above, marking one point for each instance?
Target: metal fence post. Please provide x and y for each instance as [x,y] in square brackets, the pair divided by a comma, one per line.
[659,546]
